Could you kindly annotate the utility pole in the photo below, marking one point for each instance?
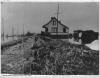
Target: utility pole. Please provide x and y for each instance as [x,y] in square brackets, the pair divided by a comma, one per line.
[2,22]
[23,37]
[23,34]
[3,29]
[23,40]
[12,33]
[17,32]
[23,30]
[57,19]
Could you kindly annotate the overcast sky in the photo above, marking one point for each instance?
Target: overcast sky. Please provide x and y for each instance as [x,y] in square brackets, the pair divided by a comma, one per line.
[34,15]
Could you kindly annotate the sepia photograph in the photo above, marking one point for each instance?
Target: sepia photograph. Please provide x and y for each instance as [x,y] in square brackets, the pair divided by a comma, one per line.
[50,38]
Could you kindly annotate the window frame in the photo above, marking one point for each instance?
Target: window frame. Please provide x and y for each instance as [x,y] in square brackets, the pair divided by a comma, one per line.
[53,29]
[54,23]
[64,30]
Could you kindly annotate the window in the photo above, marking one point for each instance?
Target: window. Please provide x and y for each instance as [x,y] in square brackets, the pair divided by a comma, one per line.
[46,29]
[64,30]
[54,29]
[54,22]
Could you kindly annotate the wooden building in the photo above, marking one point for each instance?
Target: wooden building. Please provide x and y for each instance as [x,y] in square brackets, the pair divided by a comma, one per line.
[56,29]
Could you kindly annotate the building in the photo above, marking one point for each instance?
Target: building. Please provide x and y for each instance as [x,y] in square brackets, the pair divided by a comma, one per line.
[56,29]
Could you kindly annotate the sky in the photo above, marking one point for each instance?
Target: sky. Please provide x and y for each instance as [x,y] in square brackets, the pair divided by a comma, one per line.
[33,15]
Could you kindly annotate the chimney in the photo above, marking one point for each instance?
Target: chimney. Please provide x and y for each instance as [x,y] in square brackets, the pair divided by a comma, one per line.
[52,17]
[59,21]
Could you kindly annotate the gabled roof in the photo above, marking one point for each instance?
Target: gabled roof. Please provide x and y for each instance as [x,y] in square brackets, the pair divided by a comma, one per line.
[53,18]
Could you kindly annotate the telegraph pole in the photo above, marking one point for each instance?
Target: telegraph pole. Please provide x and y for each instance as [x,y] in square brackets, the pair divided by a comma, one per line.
[23,35]
[23,39]
[2,22]
[12,33]
[23,30]
[57,19]
[3,29]
[17,32]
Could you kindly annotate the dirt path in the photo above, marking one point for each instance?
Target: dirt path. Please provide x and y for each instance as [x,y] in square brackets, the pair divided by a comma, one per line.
[12,60]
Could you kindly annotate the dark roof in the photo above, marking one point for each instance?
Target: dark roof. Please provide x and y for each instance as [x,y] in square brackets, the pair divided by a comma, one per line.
[44,26]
